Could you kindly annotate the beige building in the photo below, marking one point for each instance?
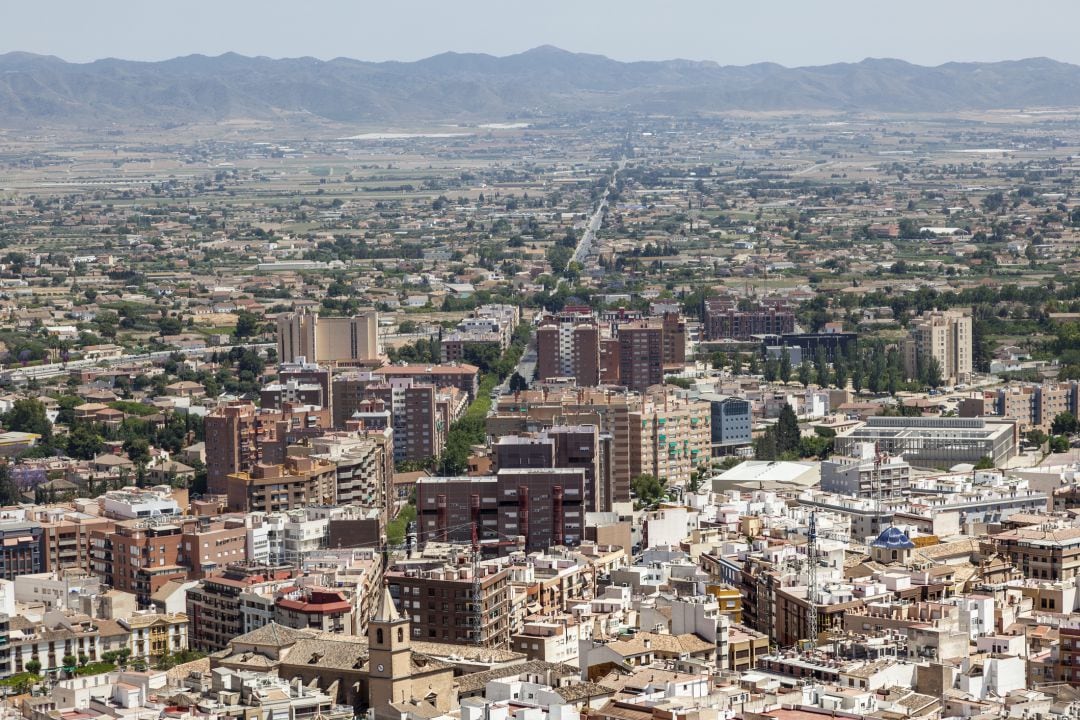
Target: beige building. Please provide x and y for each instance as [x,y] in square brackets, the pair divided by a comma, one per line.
[671,437]
[300,482]
[944,335]
[331,340]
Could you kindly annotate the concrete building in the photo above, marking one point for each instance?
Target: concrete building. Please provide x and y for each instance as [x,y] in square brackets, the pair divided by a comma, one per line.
[332,340]
[866,475]
[934,441]
[944,336]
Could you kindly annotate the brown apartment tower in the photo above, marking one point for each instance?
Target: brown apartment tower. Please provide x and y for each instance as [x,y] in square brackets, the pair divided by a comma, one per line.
[231,432]
[568,345]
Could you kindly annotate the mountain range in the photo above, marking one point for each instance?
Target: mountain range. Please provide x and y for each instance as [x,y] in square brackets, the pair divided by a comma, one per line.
[38,90]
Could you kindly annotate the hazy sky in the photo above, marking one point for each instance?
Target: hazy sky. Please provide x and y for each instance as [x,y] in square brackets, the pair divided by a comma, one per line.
[736,32]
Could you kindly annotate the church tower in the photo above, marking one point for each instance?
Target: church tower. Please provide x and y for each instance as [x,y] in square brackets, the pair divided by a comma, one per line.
[389,656]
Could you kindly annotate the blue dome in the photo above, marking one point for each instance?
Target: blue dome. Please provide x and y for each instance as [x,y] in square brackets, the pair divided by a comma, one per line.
[892,538]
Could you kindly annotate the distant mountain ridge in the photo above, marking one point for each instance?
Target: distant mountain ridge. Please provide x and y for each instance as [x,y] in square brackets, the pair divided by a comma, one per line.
[544,81]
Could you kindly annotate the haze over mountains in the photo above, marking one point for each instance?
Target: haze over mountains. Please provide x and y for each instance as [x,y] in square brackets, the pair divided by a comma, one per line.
[44,90]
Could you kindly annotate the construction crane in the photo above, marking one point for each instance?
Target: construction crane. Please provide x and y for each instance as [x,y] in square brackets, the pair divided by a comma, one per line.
[811,579]
[812,561]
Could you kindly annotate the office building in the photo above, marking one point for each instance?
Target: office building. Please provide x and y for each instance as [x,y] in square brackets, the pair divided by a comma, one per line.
[731,422]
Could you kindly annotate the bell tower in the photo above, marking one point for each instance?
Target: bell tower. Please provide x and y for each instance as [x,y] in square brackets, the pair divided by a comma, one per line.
[389,656]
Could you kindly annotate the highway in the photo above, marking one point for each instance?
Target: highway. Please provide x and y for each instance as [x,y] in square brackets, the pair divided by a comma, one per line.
[50,370]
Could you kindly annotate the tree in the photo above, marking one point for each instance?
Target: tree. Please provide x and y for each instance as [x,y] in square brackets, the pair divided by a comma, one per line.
[83,443]
[1059,444]
[806,373]
[33,666]
[647,489]
[169,326]
[70,661]
[138,450]
[518,383]
[932,375]
[247,324]
[9,491]
[785,366]
[772,368]
[1064,424]
[765,446]
[787,431]
[985,463]
[28,415]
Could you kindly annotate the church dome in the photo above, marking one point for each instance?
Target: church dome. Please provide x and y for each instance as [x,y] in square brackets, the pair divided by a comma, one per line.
[892,538]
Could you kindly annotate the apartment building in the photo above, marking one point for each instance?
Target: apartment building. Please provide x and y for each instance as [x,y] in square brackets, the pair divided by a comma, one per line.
[671,436]
[724,320]
[609,409]
[944,336]
[138,556]
[542,505]
[463,376]
[1040,553]
[419,429]
[215,606]
[231,446]
[299,482]
[866,475]
[641,354]
[568,346]
[449,604]
[360,467]
[65,536]
[332,340]
[20,549]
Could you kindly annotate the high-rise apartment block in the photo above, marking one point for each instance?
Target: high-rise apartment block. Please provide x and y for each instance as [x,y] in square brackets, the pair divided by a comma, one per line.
[944,336]
[231,443]
[333,340]
[568,346]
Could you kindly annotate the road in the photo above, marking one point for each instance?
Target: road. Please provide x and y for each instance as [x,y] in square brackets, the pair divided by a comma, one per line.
[584,246]
[39,372]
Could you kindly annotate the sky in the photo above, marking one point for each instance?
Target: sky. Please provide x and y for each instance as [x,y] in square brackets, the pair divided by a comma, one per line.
[730,32]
